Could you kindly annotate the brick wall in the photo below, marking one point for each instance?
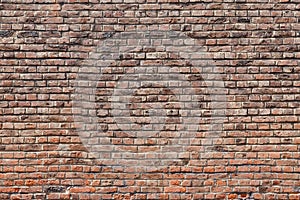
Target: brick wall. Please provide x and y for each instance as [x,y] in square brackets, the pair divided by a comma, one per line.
[61,141]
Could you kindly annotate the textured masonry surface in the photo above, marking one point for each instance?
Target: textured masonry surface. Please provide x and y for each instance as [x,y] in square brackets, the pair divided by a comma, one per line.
[254,46]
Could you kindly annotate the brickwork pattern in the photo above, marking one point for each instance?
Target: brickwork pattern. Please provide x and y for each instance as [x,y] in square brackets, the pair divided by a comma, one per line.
[254,46]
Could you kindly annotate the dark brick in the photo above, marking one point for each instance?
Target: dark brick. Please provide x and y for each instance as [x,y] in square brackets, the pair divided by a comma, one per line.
[6,33]
[27,34]
[55,189]
[244,20]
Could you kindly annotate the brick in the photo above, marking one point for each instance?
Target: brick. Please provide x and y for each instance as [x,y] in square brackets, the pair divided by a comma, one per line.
[26,34]
[7,33]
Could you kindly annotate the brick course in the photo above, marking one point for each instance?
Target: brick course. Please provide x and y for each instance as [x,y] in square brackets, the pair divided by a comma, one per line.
[254,46]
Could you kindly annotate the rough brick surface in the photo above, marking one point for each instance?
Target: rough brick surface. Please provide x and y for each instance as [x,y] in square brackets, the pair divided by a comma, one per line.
[254,46]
